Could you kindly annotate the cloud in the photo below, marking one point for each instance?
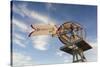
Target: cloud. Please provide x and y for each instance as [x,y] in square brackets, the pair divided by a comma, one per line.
[40,42]
[24,11]
[19,36]
[17,10]
[19,40]
[65,57]
[91,55]
[60,53]
[23,27]
[21,60]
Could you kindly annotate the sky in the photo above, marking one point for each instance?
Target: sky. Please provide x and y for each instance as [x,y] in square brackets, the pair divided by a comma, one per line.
[44,49]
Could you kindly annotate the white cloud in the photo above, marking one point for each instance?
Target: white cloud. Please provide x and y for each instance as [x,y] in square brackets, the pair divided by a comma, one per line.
[60,53]
[93,44]
[23,27]
[66,57]
[21,60]
[40,42]
[19,42]
[37,16]
[18,36]
[18,10]
[91,54]
[24,11]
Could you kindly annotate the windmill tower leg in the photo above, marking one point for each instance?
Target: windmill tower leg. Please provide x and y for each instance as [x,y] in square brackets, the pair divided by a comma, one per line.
[83,59]
[75,56]
[78,53]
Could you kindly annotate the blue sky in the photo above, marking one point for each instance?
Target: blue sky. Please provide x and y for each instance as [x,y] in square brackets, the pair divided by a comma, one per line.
[45,49]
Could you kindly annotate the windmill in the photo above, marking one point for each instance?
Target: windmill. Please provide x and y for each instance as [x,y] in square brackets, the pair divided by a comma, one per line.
[71,34]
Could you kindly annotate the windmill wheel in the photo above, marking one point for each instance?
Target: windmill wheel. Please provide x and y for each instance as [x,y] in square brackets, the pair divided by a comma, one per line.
[70,32]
